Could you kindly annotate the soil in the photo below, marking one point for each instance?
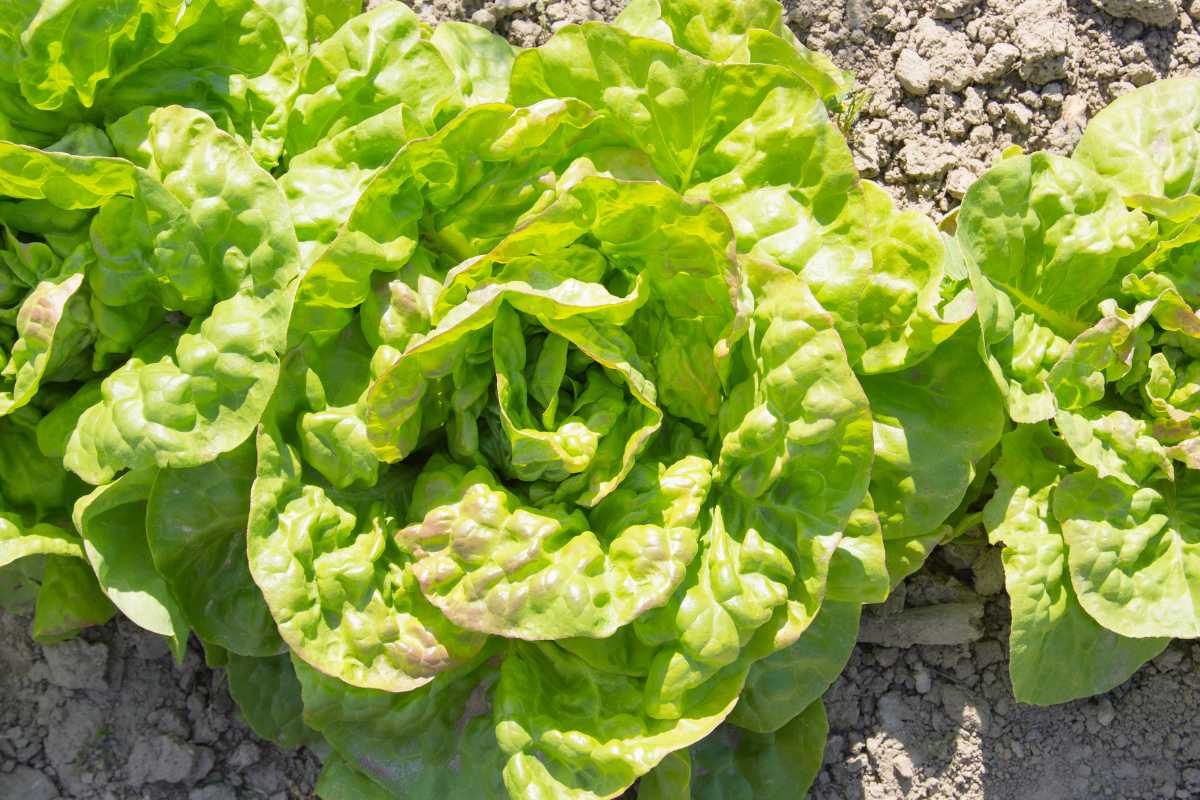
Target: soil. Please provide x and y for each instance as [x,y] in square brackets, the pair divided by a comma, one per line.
[110,716]
[951,83]
[941,722]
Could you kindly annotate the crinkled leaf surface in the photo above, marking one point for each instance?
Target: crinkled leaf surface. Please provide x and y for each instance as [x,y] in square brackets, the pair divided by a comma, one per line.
[374,62]
[1133,552]
[794,460]
[343,595]
[570,730]
[493,565]
[186,407]
[1148,142]
[1058,652]
[1043,235]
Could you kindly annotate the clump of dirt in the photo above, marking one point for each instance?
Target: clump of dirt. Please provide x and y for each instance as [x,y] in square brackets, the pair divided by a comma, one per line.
[954,82]
[110,716]
[950,84]
[938,721]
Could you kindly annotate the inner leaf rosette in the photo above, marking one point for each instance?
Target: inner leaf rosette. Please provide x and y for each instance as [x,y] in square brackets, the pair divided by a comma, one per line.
[548,372]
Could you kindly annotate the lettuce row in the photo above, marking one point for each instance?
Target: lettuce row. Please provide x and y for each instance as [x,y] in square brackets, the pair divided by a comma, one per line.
[1084,268]
[520,424]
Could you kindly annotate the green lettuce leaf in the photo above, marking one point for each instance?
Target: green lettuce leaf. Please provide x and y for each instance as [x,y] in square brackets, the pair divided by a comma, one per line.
[112,522]
[69,48]
[933,422]
[549,270]
[342,593]
[1132,552]
[465,185]
[783,764]
[497,566]
[1043,236]
[236,60]
[735,763]
[784,492]
[196,526]
[797,200]
[1085,293]
[1148,142]
[786,683]
[374,62]
[570,730]
[434,741]
[1058,651]
[69,600]
[33,485]
[340,781]
[268,693]
[736,32]
[204,395]
[20,582]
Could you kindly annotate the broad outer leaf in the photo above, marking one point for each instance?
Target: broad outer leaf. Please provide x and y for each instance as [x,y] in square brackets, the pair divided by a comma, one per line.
[196,524]
[33,486]
[734,764]
[1148,141]
[932,422]
[19,584]
[781,686]
[735,32]
[340,781]
[710,30]
[858,570]
[670,780]
[112,522]
[1134,552]
[431,743]
[1058,652]
[236,60]
[268,694]
[69,600]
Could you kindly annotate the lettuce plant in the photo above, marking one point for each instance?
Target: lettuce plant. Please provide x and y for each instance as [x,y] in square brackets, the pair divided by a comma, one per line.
[506,423]
[1085,269]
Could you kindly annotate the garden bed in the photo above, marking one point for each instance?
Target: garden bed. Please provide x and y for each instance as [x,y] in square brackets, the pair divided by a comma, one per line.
[951,83]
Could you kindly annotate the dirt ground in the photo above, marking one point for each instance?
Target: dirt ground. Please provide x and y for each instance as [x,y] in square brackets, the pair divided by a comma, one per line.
[952,83]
